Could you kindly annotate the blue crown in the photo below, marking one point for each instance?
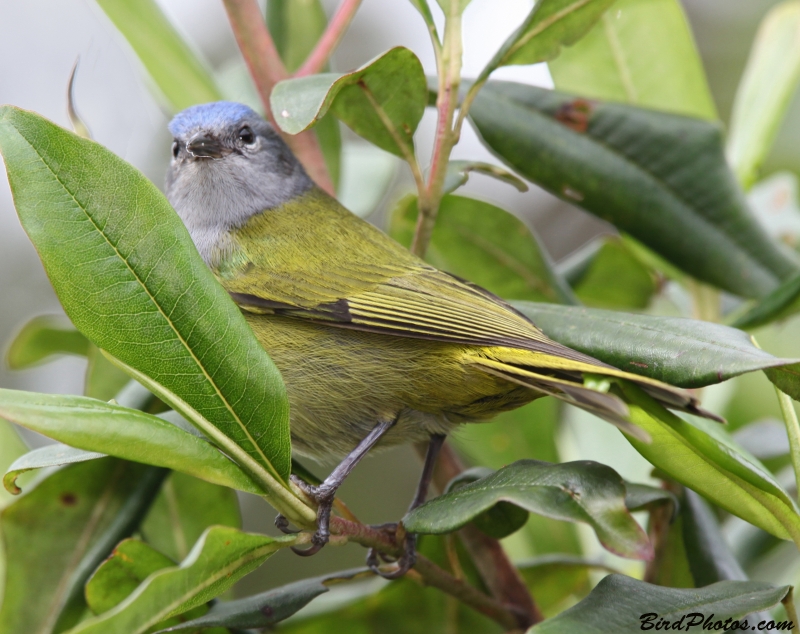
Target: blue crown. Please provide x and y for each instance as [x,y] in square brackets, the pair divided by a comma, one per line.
[218,114]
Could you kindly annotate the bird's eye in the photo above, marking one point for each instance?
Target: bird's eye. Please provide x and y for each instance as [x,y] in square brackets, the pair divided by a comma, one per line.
[175,149]
[246,135]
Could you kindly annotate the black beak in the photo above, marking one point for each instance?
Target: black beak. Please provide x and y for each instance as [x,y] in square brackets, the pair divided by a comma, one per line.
[202,146]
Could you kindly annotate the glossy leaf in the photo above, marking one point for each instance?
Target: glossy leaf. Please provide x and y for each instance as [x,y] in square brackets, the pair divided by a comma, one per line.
[576,491]
[56,534]
[43,337]
[131,562]
[220,558]
[382,101]
[550,25]
[184,509]
[703,457]
[458,174]
[55,455]
[530,431]
[765,90]
[486,245]
[782,302]
[267,608]
[684,352]
[616,278]
[172,322]
[126,433]
[619,604]
[175,69]
[660,177]
[640,52]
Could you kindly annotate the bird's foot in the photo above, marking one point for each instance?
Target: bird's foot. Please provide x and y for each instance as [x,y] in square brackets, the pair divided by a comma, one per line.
[323,496]
[403,564]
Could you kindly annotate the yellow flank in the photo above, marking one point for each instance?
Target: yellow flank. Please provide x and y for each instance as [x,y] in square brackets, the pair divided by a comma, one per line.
[363,331]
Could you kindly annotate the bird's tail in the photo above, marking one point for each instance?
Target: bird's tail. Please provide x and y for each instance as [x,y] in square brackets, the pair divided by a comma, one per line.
[580,382]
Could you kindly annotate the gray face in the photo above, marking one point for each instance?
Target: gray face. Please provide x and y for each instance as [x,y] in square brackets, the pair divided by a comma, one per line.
[228,165]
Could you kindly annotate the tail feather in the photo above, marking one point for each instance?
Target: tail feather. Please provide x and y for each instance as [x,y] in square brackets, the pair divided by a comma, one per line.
[526,369]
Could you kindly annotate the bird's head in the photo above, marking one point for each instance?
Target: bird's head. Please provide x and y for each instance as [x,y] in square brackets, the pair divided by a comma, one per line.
[227,165]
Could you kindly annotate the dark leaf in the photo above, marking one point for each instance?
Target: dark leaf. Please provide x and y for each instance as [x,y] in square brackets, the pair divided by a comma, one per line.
[582,491]
[382,101]
[269,607]
[622,605]
[684,352]
[660,177]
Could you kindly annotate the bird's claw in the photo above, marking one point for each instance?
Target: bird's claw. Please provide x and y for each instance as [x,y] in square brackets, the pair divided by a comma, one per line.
[404,563]
[324,498]
[282,524]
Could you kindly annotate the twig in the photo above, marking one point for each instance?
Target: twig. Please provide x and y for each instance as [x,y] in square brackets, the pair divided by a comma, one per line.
[330,39]
[431,574]
[792,430]
[267,69]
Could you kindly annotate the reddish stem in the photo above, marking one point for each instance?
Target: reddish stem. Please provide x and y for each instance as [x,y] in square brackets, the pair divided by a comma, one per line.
[330,38]
[267,69]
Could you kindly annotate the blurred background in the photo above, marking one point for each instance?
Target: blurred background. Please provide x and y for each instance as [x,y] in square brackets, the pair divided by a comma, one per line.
[40,41]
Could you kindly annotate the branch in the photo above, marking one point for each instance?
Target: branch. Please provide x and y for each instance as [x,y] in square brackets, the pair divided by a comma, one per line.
[330,39]
[430,574]
[267,69]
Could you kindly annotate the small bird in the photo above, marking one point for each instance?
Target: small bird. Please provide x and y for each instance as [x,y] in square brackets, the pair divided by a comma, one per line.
[375,346]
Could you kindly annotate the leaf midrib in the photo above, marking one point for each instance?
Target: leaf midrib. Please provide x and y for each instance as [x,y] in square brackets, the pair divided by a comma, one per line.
[267,463]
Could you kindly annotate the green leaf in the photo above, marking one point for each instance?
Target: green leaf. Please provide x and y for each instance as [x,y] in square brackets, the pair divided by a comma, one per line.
[556,580]
[765,90]
[184,509]
[616,278]
[702,456]
[111,429]
[781,303]
[131,562]
[56,534]
[640,52]
[710,559]
[550,25]
[575,491]
[295,26]
[660,177]
[622,605]
[43,337]
[367,174]
[448,6]
[526,432]
[267,608]
[153,304]
[55,455]
[220,558]
[683,352]
[382,101]
[104,380]
[786,379]
[458,174]
[486,245]
[175,69]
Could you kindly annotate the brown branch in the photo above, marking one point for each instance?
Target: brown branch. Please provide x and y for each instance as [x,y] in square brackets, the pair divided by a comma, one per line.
[429,573]
[330,39]
[267,69]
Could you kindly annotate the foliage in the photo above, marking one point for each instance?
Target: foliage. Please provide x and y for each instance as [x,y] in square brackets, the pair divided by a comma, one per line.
[130,522]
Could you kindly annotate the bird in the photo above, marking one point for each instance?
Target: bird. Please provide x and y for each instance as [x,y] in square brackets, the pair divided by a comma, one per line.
[375,346]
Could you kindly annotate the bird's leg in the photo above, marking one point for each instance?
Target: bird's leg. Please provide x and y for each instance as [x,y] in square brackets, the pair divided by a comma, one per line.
[409,556]
[324,494]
